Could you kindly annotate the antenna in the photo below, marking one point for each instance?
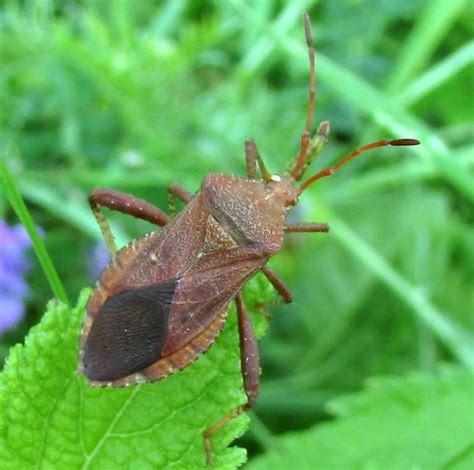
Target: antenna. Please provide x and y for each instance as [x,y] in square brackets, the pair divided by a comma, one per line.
[332,169]
[296,173]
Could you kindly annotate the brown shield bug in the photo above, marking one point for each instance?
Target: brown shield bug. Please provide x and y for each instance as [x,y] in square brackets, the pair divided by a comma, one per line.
[163,299]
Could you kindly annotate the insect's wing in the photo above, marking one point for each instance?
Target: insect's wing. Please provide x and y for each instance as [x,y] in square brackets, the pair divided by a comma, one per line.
[129,332]
[208,286]
[141,330]
[143,269]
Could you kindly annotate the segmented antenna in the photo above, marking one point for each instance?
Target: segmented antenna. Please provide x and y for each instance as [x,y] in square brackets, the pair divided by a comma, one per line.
[296,172]
[332,169]
[312,72]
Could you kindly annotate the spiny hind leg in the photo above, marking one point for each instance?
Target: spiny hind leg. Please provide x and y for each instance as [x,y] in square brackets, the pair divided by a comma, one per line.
[250,367]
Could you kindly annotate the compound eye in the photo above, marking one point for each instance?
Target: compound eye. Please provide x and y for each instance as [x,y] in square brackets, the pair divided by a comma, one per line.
[293,201]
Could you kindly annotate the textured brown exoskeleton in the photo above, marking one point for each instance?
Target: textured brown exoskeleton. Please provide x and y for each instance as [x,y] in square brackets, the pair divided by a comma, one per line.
[163,299]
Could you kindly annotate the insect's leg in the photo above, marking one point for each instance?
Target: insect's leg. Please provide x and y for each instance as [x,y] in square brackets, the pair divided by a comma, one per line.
[252,157]
[125,203]
[310,227]
[175,190]
[278,284]
[273,277]
[250,366]
[181,193]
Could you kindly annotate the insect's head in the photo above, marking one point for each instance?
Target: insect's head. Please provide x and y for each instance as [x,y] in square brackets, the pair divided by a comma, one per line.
[310,147]
[284,189]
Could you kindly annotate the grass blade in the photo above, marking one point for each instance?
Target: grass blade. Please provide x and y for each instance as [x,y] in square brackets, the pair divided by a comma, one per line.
[14,197]
[455,338]
[418,47]
[438,74]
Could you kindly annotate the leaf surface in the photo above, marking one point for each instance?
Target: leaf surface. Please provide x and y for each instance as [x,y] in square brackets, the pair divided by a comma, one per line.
[52,419]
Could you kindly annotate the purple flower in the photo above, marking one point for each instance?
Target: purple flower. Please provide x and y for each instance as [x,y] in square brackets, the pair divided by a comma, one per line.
[97,260]
[14,264]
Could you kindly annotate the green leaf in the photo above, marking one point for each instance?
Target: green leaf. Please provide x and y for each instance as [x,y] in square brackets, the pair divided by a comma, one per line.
[52,419]
[422,421]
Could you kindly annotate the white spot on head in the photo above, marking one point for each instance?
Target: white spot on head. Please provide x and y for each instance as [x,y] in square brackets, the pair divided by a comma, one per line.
[275,178]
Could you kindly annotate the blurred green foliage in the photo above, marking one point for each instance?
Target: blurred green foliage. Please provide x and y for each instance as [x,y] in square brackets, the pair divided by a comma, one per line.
[419,421]
[136,95]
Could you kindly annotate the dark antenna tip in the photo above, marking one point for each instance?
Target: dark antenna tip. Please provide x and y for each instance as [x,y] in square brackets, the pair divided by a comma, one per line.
[307,29]
[400,142]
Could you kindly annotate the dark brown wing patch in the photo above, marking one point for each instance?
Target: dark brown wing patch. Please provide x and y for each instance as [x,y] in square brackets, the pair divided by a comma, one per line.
[129,332]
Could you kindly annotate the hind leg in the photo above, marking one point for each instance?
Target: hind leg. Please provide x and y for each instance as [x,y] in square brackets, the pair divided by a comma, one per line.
[250,367]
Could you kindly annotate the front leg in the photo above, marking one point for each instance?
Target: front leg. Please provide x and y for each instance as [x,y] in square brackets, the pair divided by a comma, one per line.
[126,204]
[250,367]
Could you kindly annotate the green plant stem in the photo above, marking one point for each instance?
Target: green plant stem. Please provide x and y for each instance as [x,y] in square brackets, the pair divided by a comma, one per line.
[260,432]
[438,74]
[259,52]
[14,197]
[457,340]
[429,30]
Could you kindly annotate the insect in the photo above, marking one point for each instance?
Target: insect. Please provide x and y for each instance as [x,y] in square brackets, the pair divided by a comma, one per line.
[163,299]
